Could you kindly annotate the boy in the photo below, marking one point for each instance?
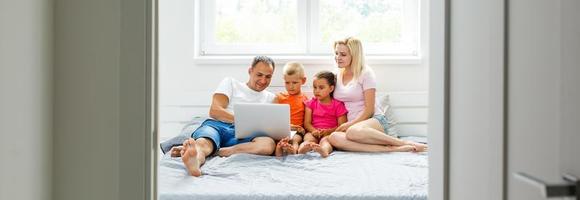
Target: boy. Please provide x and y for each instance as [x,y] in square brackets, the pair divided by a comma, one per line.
[293,80]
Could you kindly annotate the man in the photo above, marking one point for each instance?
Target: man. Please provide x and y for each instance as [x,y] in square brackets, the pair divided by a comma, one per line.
[216,135]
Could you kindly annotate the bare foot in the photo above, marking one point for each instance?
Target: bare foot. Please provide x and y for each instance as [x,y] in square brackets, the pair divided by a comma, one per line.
[288,148]
[226,152]
[419,147]
[318,148]
[189,157]
[407,148]
[278,152]
[176,151]
[305,148]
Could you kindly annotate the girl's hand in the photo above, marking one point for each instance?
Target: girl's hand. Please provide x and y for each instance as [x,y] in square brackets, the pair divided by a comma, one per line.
[317,133]
[325,132]
[343,127]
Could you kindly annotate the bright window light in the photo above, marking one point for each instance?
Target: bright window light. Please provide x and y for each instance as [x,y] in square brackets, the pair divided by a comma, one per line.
[308,27]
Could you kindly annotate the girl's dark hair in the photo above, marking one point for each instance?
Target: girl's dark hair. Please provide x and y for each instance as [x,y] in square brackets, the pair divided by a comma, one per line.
[330,78]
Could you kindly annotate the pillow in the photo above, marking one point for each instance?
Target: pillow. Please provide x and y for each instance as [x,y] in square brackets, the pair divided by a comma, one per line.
[385,106]
[184,135]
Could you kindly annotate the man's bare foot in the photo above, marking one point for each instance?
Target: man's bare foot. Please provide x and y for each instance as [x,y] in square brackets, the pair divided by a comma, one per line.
[318,148]
[226,152]
[189,157]
[176,151]
[305,148]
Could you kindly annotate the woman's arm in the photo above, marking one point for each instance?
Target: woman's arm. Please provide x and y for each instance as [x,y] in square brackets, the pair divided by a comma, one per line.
[218,110]
[369,106]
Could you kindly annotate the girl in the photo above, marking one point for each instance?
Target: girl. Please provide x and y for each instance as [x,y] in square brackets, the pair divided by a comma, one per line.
[323,114]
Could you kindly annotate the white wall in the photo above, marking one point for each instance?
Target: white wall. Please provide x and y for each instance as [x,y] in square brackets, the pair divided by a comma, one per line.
[543,35]
[476,94]
[179,72]
[26,99]
[183,82]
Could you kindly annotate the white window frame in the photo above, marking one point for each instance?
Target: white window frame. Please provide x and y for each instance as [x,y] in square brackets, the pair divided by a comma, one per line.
[209,45]
[371,49]
[309,48]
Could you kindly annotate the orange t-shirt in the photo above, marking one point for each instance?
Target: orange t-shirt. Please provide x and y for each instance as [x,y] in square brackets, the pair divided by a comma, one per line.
[296,103]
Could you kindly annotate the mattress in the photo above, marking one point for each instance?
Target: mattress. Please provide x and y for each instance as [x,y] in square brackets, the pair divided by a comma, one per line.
[343,175]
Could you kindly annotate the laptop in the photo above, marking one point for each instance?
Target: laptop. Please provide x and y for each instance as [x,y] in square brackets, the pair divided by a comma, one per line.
[262,119]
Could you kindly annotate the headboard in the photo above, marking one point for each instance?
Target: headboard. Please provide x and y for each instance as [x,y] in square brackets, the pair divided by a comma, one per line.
[410,110]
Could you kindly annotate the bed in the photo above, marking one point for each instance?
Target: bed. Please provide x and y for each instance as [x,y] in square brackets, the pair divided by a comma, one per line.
[343,175]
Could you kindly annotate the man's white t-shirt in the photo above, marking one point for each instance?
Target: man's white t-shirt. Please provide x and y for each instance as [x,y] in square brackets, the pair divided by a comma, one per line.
[239,92]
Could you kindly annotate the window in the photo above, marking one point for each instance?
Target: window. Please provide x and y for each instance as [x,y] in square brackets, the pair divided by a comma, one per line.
[307,27]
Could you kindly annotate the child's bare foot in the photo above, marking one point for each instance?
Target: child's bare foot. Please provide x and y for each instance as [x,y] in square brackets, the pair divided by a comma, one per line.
[305,148]
[176,151]
[318,148]
[278,152]
[288,148]
[189,157]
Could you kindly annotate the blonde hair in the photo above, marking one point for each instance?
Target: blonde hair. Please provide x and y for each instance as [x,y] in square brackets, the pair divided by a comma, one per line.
[354,45]
[292,68]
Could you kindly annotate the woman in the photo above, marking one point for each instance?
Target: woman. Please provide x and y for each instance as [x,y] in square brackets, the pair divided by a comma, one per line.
[366,130]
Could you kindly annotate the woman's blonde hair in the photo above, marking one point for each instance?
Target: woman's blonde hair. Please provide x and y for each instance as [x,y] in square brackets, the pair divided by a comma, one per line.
[354,45]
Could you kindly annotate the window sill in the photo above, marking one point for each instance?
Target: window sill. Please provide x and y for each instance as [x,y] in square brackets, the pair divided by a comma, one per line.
[307,60]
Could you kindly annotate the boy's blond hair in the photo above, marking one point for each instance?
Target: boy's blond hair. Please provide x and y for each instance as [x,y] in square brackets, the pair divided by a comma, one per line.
[292,68]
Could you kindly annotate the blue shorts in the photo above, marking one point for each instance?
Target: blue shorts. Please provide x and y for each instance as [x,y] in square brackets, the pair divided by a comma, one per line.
[384,123]
[220,133]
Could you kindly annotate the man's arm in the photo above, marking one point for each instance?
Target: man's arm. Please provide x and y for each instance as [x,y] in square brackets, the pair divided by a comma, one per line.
[218,107]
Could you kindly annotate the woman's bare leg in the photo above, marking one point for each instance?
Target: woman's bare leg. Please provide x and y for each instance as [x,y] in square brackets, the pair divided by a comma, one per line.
[339,141]
[371,131]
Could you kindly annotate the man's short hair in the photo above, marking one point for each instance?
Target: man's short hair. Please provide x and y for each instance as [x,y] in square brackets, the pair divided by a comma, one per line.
[292,68]
[263,59]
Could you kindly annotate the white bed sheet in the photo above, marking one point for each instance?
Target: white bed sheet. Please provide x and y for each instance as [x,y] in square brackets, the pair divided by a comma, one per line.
[343,175]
